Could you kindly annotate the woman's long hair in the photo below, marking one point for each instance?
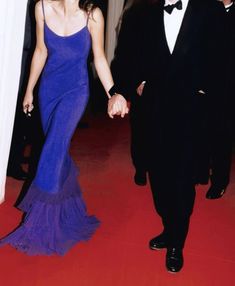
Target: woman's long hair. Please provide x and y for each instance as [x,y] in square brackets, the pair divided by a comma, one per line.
[86,5]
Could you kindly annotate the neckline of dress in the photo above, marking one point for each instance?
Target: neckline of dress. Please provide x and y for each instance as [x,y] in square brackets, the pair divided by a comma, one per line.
[68,36]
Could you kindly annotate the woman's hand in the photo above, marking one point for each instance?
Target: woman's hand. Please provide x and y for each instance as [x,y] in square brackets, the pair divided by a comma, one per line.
[117,106]
[28,102]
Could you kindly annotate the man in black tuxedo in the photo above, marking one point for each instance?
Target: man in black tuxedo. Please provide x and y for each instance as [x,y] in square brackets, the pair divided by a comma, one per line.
[221,102]
[170,75]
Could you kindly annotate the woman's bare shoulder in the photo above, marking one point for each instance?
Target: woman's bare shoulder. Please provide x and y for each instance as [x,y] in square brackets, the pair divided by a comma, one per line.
[38,10]
[96,15]
[46,3]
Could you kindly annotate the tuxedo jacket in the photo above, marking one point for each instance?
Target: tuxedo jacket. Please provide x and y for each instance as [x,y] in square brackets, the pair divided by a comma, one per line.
[222,87]
[173,80]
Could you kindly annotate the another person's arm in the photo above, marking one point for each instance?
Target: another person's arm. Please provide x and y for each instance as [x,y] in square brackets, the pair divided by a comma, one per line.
[117,103]
[38,60]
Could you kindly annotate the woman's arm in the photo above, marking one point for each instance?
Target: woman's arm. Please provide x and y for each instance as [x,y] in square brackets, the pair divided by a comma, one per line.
[38,60]
[117,103]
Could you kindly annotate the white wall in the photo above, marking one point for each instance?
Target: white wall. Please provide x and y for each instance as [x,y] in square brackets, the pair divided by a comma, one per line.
[12,21]
[114,11]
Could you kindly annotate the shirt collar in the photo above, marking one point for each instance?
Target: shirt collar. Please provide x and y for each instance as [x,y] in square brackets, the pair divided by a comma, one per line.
[229,5]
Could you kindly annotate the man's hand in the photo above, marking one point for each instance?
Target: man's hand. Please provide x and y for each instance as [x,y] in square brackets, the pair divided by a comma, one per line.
[140,88]
[117,105]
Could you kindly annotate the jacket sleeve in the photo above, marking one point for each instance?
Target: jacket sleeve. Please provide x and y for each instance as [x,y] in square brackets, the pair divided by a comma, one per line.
[127,63]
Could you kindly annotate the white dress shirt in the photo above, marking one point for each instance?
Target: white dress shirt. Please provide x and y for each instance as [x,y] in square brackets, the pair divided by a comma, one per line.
[172,23]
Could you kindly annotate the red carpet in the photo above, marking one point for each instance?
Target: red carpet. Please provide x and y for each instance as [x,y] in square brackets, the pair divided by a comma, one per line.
[118,254]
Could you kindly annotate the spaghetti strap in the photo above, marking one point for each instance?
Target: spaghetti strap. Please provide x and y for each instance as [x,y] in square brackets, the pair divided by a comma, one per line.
[43,11]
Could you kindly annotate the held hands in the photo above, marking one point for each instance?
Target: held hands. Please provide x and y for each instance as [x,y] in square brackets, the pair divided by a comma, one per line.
[117,105]
[28,103]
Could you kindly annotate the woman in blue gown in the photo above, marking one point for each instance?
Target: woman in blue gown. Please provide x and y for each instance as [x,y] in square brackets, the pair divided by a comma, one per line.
[55,214]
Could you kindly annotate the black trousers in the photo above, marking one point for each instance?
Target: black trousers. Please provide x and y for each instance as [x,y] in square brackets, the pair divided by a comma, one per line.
[139,142]
[171,177]
[220,144]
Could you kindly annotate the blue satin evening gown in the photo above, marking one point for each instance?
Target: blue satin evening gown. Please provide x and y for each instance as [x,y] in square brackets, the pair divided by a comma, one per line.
[56,216]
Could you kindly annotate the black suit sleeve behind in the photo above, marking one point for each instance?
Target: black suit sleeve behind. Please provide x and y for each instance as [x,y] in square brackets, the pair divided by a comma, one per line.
[125,66]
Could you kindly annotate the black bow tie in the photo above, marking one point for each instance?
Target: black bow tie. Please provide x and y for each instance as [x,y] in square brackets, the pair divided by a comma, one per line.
[169,8]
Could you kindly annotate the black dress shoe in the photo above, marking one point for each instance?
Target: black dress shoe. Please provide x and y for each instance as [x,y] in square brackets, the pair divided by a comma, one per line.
[174,259]
[215,193]
[158,242]
[140,178]
[17,173]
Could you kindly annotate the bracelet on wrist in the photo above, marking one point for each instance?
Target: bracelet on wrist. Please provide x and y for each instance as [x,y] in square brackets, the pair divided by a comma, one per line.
[112,91]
